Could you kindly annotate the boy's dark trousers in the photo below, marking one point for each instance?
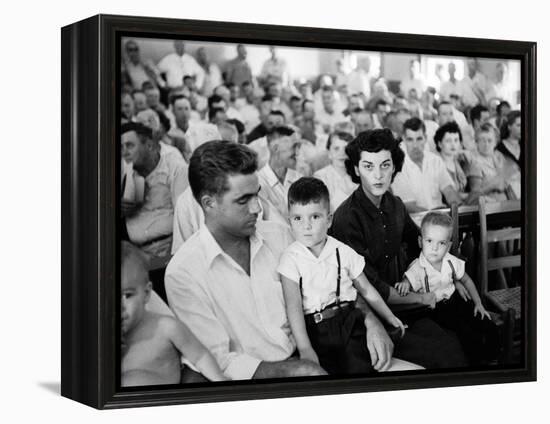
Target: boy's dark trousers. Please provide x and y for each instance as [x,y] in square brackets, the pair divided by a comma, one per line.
[479,337]
[340,341]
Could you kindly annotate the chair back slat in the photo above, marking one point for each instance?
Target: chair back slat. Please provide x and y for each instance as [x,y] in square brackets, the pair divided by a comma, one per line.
[504,262]
[494,236]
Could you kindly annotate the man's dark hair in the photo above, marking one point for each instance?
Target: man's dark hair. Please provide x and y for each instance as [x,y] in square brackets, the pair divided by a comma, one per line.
[380,102]
[278,113]
[246,83]
[501,105]
[212,112]
[475,112]
[414,124]
[295,99]
[450,127]
[147,85]
[444,102]
[212,162]
[229,85]
[238,124]
[373,141]
[342,135]
[510,119]
[143,132]
[214,98]
[308,190]
[174,98]
[278,132]
[267,98]
[304,103]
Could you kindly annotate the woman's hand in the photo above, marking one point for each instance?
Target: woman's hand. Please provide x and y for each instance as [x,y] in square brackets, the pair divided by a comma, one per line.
[397,323]
[428,299]
[309,354]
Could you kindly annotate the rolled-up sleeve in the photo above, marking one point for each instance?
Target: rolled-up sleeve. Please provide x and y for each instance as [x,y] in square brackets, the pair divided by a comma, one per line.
[193,307]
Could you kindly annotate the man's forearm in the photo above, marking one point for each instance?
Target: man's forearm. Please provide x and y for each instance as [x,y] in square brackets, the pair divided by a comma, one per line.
[411,298]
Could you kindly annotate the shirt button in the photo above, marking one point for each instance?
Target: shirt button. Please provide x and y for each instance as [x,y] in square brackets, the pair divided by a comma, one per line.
[384,225]
[387,257]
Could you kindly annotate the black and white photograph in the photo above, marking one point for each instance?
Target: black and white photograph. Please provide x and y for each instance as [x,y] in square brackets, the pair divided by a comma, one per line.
[309,213]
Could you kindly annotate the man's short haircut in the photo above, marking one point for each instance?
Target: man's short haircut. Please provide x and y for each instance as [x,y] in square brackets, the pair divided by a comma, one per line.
[380,102]
[279,132]
[212,112]
[488,127]
[134,92]
[129,252]
[277,112]
[501,105]
[450,127]
[237,124]
[308,190]
[373,141]
[214,98]
[212,162]
[475,112]
[267,98]
[147,85]
[143,132]
[437,218]
[414,124]
[174,98]
[305,102]
[342,135]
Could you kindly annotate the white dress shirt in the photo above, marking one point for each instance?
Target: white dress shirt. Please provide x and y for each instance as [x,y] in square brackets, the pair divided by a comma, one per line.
[439,282]
[422,185]
[240,318]
[275,192]
[176,67]
[197,133]
[339,186]
[319,274]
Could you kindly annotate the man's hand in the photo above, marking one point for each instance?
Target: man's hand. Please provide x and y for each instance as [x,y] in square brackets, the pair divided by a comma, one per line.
[379,344]
[428,299]
[403,288]
[128,208]
[463,292]
[397,323]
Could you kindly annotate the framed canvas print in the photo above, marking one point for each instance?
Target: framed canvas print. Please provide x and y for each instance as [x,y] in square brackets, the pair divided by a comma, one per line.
[254,211]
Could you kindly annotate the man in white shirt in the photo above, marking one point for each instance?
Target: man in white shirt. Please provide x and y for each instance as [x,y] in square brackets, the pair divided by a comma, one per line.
[148,221]
[279,173]
[178,64]
[414,80]
[328,116]
[222,282]
[424,179]
[187,137]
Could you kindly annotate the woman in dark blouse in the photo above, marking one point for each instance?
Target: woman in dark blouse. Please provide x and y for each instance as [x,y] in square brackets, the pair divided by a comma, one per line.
[376,225]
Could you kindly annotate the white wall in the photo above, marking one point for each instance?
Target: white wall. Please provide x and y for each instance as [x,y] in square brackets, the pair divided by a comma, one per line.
[30,317]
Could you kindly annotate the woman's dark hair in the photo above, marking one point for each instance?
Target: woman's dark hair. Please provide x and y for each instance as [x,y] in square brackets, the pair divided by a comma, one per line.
[450,127]
[212,162]
[510,119]
[373,141]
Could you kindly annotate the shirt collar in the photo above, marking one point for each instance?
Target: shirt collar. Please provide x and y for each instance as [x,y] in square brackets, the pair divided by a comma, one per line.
[424,263]
[290,176]
[368,206]
[162,167]
[212,249]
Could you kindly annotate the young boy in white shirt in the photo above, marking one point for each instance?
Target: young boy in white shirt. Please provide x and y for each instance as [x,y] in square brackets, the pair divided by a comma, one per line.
[320,278]
[458,304]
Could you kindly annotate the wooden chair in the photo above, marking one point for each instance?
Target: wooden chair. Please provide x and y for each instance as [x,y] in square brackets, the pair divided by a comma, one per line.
[508,294]
[503,317]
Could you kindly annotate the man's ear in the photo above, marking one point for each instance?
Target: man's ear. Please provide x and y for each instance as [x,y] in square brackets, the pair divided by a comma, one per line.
[356,168]
[329,219]
[207,201]
[420,241]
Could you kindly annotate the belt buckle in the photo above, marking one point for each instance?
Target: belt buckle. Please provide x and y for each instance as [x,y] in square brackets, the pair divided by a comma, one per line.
[317,317]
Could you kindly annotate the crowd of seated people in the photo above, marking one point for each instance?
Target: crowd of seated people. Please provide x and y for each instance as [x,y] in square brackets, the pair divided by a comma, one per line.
[210,152]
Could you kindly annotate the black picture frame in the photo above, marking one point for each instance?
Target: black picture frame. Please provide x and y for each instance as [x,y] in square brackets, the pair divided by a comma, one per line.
[90,167]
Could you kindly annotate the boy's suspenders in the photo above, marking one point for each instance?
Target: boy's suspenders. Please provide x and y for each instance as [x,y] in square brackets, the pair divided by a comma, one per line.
[337,279]
[427,283]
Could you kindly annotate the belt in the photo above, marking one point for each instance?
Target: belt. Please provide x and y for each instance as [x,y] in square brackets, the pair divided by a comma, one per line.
[159,238]
[329,312]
